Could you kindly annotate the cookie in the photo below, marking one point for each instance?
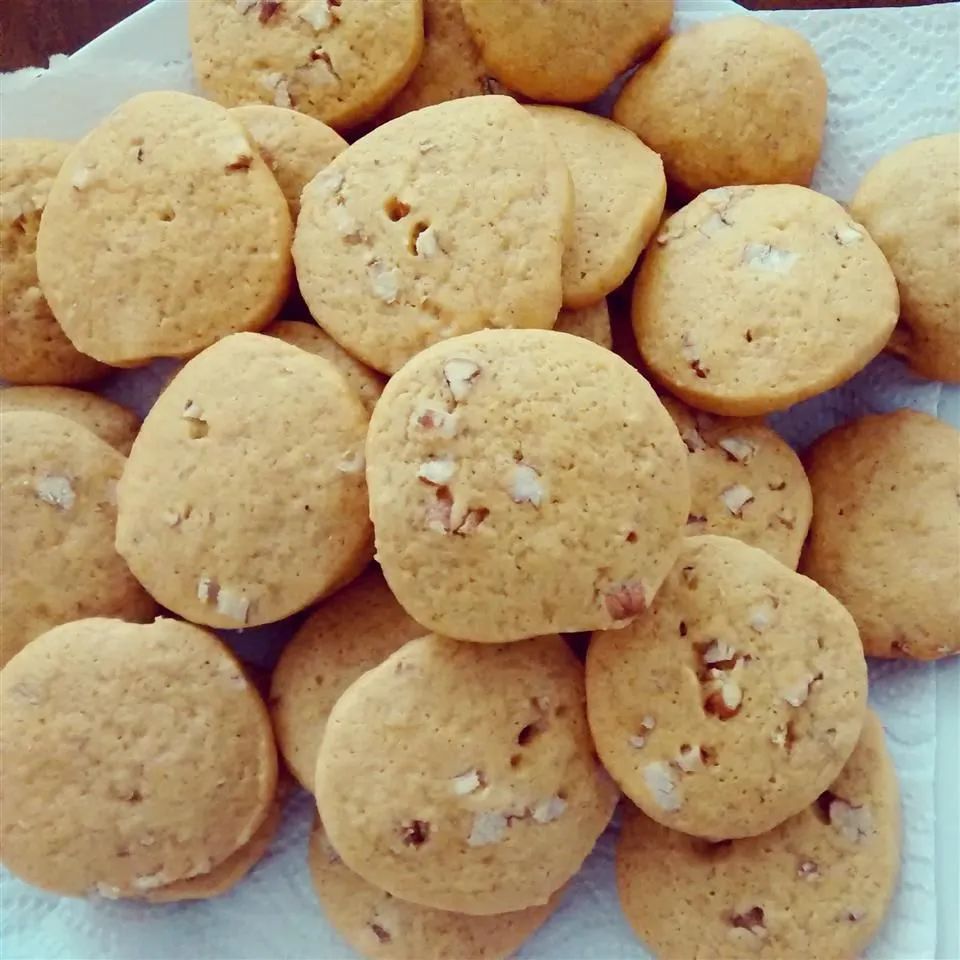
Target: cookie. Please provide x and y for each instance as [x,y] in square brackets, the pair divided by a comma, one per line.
[337,60]
[33,347]
[294,146]
[619,192]
[565,52]
[908,202]
[731,101]
[591,323]
[461,776]
[381,927]
[308,336]
[59,512]
[243,500]
[163,232]
[157,740]
[507,504]
[112,423]
[353,631]
[818,885]
[745,482]
[734,700]
[419,231]
[886,511]
[754,298]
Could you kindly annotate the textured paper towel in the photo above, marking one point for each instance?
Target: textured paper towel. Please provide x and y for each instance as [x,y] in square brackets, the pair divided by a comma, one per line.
[893,76]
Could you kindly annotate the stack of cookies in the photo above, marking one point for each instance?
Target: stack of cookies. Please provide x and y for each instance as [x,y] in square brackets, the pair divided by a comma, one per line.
[399,410]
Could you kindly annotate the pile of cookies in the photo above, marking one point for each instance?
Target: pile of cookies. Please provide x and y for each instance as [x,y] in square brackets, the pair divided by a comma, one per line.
[399,410]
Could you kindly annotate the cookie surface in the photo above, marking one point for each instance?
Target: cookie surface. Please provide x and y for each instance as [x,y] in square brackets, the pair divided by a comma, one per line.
[135,254]
[817,885]
[337,60]
[33,347]
[58,520]
[886,495]
[462,776]
[745,482]
[732,101]
[908,202]
[152,731]
[350,633]
[418,232]
[252,439]
[619,191]
[565,52]
[753,298]
[735,700]
[591,323]
[507,505]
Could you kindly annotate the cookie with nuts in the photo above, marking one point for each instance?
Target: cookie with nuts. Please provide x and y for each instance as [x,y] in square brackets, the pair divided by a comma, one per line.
[817,885]
[884,537]
[591,323]
[524,482]
[465,754]
[753,298]
[734,700]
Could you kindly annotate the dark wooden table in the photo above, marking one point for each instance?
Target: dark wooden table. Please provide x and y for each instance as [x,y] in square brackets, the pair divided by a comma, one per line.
[32,30]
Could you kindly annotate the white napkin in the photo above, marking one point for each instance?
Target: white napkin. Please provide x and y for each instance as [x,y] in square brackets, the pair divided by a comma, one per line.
[893,76]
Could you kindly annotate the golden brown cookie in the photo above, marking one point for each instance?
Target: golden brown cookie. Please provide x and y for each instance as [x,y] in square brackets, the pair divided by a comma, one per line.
[591,323]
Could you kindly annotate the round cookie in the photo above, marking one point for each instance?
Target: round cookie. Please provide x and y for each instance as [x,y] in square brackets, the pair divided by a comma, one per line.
[591,323]
[818,885]
[294,146]
[33,347]
[381,927]
[506,504]
[59,512]
[351,632]
[754,298]
[731,101]
[745,482]
[565,52]
[308,336]
[337,60]
[111,422]
[133,756]
[619,191]
[163,232]
[419,231]
[884,542]
[908,202]
[462,776]
[243,500]
[735,700]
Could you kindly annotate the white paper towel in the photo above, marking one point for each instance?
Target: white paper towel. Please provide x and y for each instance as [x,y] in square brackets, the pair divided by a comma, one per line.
[893,76]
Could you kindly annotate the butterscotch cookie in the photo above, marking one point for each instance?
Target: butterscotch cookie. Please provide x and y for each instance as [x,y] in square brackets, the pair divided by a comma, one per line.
[253,443]
[308,336]
[33,347]
[58,517]
[745,482]
[157,740]
[886,502]
[163,232]
[619,192]
[731,101]
[565,52]
[351,632]
[818,885]
[507,504]
[337,60]
[381,927]
[591,323]
[111,422]
[753,298]
[419,231]
[461,775]
[734,700]
[294,146]
[909,203]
